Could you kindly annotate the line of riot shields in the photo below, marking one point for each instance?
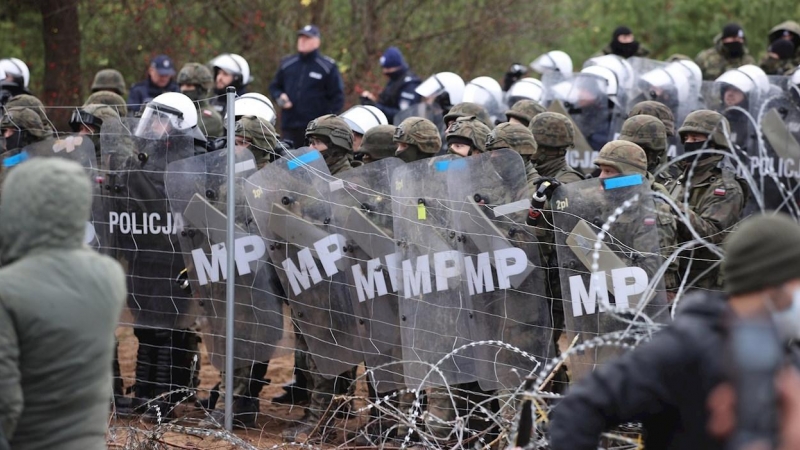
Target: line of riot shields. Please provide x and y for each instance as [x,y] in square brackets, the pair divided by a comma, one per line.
[426,273]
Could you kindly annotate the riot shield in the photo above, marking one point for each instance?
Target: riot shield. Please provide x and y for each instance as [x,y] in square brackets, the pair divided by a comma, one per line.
[776,168]
[588,105]
[362,213]
[434,305]
[197,191]
[143,233]
[502,270]
[609,285]
[288,201]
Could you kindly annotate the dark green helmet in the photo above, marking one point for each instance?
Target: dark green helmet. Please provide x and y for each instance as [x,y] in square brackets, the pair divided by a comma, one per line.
[468,130]
[419,132]
[25,119]
[709,123]
[658,110]
[649,133]
[34,104]
[553,130]
[627,157]
[198,75]
[333,129]
[257,132]
[109,80]
[465,109]
[108,98]
[525,111]
[511,135]
[378,142]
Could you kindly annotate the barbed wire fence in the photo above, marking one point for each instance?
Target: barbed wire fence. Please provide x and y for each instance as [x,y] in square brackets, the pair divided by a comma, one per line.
[299,230]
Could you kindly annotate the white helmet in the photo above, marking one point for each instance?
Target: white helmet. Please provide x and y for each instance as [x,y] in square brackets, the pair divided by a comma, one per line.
[526,88]
[796,77]
[553,61]
[678,74]
[621,68]
[607,75]
[361,118]
[254,104]
[749,79]
[165,113]
[16,68]
[440,83]
[485,91]
[233,64]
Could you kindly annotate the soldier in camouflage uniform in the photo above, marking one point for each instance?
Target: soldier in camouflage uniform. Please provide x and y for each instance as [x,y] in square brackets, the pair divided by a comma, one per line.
[88,120]
[378,143]
[779,58]
[35,105]
[195,81]
[109,80]
[333,138]
[712,199]
[465,109]
[621,158]
[467,136]
[21,127]
[258,136]
[524,111]
[658,110]
[108,98]
[511,135]
[554,136]
[729,52]
[650,134]
[788,30]
[416,139]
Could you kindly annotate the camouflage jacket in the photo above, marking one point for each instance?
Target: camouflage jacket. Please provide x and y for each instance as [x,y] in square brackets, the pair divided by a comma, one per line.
[713,205]
[209,120]
[714,62]
[772,66]
[340,166]
[667,234]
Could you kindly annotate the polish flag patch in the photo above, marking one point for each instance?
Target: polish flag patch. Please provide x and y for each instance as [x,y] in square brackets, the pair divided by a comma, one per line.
[206,112]
[719,192]
[649,221]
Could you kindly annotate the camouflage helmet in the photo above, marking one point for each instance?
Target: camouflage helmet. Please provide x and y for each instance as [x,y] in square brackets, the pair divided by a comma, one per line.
[109,80]
[28,101]
[552,130]
[378,142]
[24,119]
[95,115]
[259,132]
[657,110]
[198,75]
[419,132]
[649,133]
[332,128]
[110,99]
[627,157]
[468,130]
[511,135]
[709,123]
[464,109]
[525,111]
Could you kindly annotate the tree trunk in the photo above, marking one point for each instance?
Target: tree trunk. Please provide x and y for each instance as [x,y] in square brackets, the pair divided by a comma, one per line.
[62,58]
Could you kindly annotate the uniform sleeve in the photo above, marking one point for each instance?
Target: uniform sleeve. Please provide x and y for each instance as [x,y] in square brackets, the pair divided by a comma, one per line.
[11,400]
[641,383]
[335,91]
[406,97]
[135,99]
[716,213]
[276,87]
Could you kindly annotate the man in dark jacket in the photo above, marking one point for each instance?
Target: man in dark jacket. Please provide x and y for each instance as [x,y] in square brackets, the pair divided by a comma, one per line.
[159,80]
[666,382]
[307,85]
[59,306]
[399,92]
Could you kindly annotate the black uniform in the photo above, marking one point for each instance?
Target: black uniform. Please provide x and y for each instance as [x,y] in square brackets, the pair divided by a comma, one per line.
[399,93]
[145,91]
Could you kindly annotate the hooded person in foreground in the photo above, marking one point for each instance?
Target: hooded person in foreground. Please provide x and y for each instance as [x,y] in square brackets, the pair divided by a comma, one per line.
[59,307]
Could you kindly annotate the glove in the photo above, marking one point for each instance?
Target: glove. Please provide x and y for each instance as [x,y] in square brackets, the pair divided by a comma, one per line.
[544,191]
[366,101]
[183,281]
[514,73]
[547,185]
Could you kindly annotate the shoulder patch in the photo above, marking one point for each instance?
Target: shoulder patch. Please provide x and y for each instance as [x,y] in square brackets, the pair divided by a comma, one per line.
[207,112]
[720,192]
[329,59]
[325,64]
[289,60]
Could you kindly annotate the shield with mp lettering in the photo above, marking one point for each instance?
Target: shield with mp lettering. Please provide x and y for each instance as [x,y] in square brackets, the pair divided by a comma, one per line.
[198,192]
[288,200]
[610,265]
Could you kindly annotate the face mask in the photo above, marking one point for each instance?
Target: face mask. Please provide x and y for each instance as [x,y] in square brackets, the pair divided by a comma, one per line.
[734,49]
[694,146]
[624,50]
[193,95]
[788,321]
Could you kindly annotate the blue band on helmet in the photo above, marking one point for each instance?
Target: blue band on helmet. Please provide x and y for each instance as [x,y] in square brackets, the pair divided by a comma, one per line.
[623,181]
[303,160]
[19,158]
[453,164]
